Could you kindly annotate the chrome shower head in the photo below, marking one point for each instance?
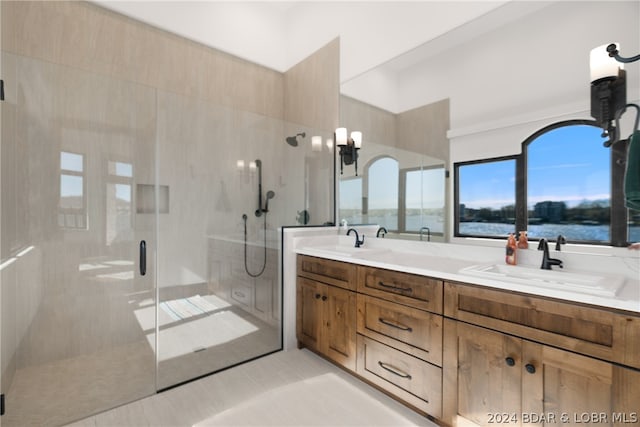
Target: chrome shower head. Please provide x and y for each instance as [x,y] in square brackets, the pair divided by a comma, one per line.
[293,140]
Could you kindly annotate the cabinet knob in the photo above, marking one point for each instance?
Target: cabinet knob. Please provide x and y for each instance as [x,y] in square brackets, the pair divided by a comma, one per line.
[510,361]
[317,296]
[530,368]
[324,297]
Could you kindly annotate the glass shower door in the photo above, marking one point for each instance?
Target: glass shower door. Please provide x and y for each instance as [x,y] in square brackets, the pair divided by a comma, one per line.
[78,197]
[218,279]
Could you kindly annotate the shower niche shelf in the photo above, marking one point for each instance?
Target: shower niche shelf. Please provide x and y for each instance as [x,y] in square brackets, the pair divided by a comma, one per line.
[146,198]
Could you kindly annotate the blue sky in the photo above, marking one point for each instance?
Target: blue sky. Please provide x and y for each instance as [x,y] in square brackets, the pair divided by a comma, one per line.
[566,164]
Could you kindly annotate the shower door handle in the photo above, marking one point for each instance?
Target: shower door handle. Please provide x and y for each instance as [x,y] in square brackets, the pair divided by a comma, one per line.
[143,257]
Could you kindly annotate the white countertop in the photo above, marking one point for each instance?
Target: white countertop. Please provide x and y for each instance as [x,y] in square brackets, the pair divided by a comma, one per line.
[446,260]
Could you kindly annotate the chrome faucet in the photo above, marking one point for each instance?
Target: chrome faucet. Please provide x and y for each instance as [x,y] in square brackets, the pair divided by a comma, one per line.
[428,233]
[547,261]
[383,231]
[358,241]
[560,240]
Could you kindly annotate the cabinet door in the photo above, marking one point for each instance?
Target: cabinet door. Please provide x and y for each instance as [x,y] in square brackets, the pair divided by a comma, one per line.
[340,315]
[576,390]
[309,313]
[489,377]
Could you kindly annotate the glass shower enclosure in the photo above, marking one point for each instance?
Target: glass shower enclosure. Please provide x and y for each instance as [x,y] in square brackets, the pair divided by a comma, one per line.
[140,236]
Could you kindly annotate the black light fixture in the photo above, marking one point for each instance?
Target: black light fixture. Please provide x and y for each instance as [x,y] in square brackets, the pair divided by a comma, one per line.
[348,147]
[609,89]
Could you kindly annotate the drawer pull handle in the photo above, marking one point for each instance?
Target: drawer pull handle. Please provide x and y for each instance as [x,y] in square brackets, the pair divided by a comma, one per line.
[394,370]
[395,325]
[394,287]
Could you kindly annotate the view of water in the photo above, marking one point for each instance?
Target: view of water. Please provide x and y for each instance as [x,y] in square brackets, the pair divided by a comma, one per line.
[550,231]
[572,232]
[413,222]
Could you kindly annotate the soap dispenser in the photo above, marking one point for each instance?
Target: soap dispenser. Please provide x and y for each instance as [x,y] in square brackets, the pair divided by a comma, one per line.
[511,248]
[523,243]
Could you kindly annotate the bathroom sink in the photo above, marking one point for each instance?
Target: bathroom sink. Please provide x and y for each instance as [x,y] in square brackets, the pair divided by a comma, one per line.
[591,284]
[346,251]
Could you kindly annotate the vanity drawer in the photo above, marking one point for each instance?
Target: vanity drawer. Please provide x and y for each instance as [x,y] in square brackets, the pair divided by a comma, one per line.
[412,380]
[337,273]
[609,335]
[413,331]
[404,288]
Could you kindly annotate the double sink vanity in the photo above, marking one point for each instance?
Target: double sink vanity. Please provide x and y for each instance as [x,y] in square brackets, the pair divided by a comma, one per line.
[465,340]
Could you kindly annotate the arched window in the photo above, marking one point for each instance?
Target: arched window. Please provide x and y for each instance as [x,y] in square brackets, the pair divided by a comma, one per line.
[564,183]
[568,191]
[381,203]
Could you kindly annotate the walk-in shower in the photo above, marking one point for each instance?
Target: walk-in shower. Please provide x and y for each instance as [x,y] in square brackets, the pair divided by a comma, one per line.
[131,156]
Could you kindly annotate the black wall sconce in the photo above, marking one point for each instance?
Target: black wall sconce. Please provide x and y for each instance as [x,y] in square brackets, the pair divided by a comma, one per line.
[348,147]
[609,89]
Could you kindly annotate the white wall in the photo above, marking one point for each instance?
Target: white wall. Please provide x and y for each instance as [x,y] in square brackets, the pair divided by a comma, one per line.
[373,32]
[279,35]
[253,31]
[510,82]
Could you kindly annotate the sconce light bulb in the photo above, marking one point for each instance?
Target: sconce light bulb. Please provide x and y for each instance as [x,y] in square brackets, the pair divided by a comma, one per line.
[341,136]
[329,144]
[603,66]
[356,136]
[316,143]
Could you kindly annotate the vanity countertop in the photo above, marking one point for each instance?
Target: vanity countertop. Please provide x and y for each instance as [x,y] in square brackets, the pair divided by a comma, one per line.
[608,281]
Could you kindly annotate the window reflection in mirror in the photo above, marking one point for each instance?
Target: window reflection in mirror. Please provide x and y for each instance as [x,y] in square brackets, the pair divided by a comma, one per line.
[382,193]
[119,225]
[350,190]
[72,204]
[400,190]
[424,199]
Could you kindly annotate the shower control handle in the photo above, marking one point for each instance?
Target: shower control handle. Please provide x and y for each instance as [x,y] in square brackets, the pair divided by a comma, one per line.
[143,257]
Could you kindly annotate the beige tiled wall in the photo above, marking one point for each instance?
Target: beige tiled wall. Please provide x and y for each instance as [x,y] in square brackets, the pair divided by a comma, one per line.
[312,88]
[422,130]
[103,42]
[376,124]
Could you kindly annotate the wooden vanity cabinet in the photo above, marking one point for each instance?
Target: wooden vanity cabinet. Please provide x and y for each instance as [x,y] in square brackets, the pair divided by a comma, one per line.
[502,370]
[470,355]
[495,378]
[326,309]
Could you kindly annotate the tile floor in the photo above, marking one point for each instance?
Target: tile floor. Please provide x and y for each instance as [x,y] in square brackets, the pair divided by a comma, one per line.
[53,393]
[293,388]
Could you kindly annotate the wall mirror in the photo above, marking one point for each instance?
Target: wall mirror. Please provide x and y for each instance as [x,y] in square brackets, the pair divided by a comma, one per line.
[474,93]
